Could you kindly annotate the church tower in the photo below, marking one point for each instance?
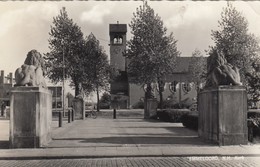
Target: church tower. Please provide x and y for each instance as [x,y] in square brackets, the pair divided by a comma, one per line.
[117,33]
[119,87]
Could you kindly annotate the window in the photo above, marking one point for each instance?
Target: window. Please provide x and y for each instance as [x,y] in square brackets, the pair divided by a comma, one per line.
[173,86]
[118,40]
[186,87]
[163,88]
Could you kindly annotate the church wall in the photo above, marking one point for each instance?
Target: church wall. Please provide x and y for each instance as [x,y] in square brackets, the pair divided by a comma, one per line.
[136,93]
[183,96]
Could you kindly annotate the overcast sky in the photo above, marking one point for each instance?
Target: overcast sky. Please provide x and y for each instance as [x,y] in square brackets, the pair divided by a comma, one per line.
[25,25]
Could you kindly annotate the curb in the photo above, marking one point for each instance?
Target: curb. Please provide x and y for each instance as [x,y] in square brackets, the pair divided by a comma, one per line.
[121,152]
[123,156]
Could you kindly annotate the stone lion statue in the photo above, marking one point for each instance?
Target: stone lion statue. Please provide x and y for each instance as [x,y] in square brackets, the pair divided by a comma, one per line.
[32,71]
[220,72]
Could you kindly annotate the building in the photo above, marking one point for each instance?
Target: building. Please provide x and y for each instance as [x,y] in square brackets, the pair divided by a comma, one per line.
[6,83]
[120,86]
[56,96]
[178,88]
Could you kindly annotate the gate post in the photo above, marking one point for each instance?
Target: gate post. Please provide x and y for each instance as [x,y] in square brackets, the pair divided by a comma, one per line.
[114,114]
[150,108]
[79,108]
[223,115]
[68,115]
[30,117]
[60,118]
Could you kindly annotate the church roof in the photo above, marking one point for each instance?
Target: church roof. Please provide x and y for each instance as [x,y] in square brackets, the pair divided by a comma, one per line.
[183,63]
[117,28]
[181,72]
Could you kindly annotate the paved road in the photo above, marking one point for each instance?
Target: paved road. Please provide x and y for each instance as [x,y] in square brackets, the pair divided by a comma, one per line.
[139,162]
[123,132]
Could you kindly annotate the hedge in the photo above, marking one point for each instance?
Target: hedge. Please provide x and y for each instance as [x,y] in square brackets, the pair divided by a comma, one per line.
[190,120]
[172,115]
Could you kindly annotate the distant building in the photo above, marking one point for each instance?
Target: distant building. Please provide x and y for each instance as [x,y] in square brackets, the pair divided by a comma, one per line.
[56,96]
[178,88]
[6,83]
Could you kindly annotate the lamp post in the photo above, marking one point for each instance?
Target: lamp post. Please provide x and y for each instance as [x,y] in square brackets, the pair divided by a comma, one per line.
[62,113]
[63,82]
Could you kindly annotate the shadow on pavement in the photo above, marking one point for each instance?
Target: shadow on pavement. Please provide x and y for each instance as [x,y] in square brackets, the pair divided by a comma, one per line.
[4,144]
[142,140]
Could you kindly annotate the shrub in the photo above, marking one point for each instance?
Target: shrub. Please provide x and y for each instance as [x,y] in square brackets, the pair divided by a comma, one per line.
[180,106]
[138,105]
[253,125]
[104,105]
[171,104]
[172,115]
[190,120]
[168,104]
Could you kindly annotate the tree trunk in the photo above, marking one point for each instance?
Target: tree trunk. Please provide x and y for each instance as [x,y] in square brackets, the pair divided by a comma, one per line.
[149,93]
[161,89]
[77,89]
[161,99]
[97,99]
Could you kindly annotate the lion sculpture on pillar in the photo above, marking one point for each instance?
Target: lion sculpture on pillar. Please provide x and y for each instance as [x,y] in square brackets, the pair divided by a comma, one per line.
[220,72]
[32,71]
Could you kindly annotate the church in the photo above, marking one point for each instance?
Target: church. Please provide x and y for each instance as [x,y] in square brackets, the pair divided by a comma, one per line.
[178,89]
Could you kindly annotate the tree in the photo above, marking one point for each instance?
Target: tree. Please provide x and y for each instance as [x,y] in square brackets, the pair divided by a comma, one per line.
[97,68]
[254,84]
[240,47]
[66,40]
[198,68]
[70,98]
[105,100]
[151,53]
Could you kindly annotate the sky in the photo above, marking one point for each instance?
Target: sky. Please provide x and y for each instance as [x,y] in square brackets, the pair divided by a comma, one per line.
[26,25]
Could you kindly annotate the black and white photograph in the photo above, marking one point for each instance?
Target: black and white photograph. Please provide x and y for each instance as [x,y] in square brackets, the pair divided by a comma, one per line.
[130,83]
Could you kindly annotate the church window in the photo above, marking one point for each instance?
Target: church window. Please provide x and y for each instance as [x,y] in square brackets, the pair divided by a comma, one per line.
[173,86]
[162,88]
[186,87]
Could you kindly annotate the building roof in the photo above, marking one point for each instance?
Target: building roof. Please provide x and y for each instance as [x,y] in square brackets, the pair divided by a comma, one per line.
[117,28]
[181,72]
[183,63]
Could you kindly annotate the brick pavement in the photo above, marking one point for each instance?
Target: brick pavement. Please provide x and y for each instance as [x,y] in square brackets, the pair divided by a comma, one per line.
[139,162]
